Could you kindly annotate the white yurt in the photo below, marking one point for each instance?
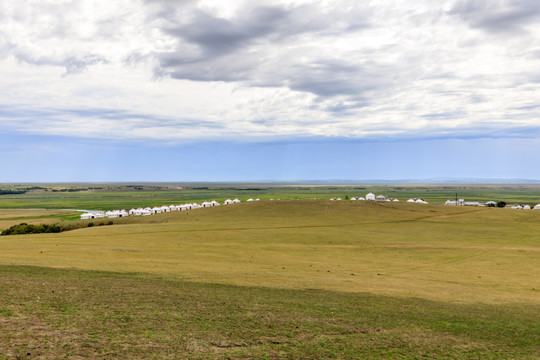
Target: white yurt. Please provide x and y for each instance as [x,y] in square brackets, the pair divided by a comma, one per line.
[206,204]
[537,207]
[250,199]
[526,207]
[165,209]
[214,203]
[420,201]
[257,199]
[132,211]
[370,197]
[236,201]
[361,198]
[172,207]
[354,199]
[99,214]
[228,202]
[395,200]
[156,210]
[87,216]
[411,200]
[380,198]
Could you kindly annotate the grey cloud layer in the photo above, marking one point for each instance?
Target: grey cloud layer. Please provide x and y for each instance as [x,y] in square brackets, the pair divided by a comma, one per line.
[294,68]
[498,16]
[262,46]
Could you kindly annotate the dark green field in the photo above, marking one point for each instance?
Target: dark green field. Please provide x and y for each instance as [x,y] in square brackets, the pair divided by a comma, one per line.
[71,314]
[118,196]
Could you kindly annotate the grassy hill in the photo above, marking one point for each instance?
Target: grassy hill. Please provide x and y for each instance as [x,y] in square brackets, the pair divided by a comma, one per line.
[281,279]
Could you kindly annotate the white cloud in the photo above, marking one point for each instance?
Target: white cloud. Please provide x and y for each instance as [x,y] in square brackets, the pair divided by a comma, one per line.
[189,70]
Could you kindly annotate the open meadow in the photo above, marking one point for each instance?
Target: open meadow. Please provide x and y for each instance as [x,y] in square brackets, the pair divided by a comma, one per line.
[278,279]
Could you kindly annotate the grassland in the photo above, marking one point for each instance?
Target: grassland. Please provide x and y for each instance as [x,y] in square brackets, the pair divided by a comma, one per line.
[107,197]
[278,279]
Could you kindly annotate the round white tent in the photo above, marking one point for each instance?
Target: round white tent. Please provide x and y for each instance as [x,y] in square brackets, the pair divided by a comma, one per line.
[370,197]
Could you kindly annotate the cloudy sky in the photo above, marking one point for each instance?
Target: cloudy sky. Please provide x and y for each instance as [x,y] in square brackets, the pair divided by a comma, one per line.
[216,90]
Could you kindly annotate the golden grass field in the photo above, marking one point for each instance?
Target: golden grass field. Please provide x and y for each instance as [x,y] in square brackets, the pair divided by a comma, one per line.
[454,254]
[16,216]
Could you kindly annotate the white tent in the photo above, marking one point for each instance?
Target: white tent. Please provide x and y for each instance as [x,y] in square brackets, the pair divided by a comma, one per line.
[537,207]
[172,207]
[214,203]
[236,201]
[526,207]
[395,200]
[410,201]
[87,216]
[380,198]
[370,197]
[353,199]
[156,210]
[250,199]
[206,204]
[361,199]
[112,214]
[123,213]
[132,212]
[228,202]
[420,201]
[257,199]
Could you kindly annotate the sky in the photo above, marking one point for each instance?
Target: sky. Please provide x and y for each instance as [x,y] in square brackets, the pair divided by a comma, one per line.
[277,90]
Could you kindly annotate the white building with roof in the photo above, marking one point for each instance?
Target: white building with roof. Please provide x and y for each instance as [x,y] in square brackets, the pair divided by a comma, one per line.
[370,197]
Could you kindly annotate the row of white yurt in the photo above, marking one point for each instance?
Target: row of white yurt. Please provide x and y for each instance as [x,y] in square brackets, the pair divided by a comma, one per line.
[156,209]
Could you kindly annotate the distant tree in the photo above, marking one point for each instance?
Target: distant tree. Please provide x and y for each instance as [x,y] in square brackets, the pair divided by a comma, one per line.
[501,204]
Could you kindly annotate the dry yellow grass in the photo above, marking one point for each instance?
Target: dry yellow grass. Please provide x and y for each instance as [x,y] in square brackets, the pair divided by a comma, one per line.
[410,250]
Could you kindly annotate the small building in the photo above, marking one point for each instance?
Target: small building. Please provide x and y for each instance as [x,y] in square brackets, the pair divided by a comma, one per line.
[526,207]
[88,215]
[537,207]
[236,201]
[228,202]
[411,200]
[370,197]
[250,199]
[380,198]
[214,203]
